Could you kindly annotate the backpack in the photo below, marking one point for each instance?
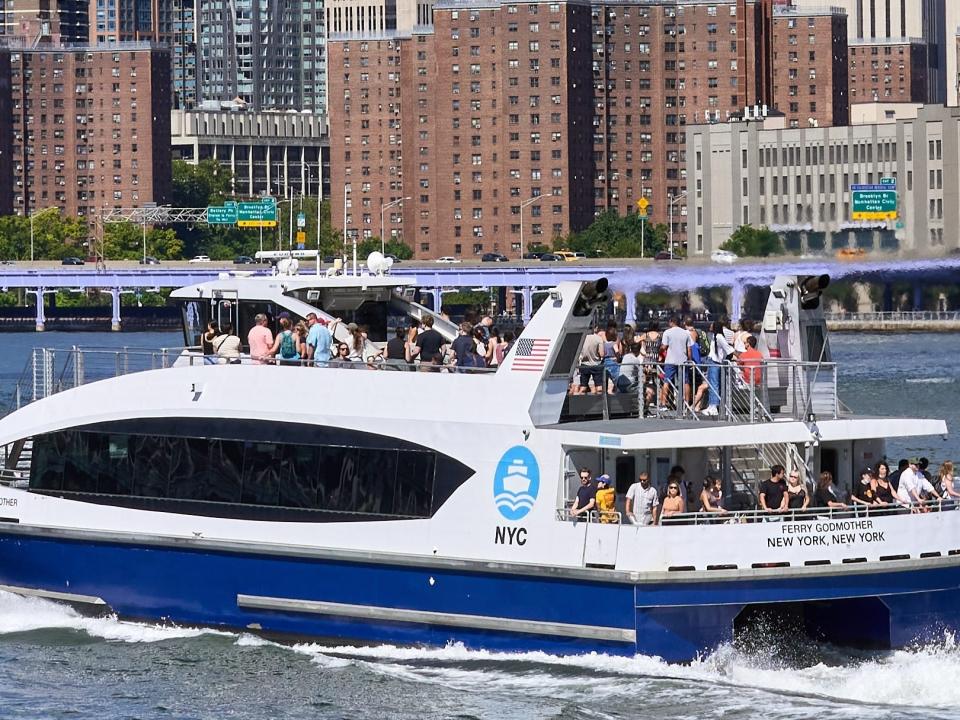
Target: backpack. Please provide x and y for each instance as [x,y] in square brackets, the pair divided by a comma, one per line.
[704,344]
[288,348]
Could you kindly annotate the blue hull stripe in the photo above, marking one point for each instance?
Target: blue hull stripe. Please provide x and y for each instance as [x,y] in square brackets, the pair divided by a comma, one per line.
[371,602]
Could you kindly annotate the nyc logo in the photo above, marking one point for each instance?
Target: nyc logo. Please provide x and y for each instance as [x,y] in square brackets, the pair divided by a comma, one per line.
[516,483]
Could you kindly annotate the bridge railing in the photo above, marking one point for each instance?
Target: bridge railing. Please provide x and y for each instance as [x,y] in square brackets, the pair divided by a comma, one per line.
[894,316]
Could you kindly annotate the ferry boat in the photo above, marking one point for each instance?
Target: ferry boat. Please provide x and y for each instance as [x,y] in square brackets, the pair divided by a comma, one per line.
[434,507]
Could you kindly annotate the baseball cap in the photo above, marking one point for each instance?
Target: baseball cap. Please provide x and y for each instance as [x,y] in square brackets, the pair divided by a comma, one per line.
[321,320]
[284,314]
[914,461]
[605,479]
[867,470]
[351,326]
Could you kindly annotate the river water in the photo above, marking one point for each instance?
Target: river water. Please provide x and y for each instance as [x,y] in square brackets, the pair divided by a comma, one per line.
[57,664]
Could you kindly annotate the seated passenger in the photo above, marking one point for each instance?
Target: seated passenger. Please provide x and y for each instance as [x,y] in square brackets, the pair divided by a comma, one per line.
[825,495]
[672,503]
[342,358]
[586,497]
[711,497]
[865,492]
[431,363]
[797,496]
[606,499]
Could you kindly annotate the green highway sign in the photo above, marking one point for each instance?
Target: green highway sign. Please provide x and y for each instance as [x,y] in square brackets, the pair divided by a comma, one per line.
[874,204]
[222,215]
[262,213]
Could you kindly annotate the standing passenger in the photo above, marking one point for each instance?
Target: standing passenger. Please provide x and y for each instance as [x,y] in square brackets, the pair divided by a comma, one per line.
[260,340]
[319,340]
[643,502]
[606,499]
[227,345]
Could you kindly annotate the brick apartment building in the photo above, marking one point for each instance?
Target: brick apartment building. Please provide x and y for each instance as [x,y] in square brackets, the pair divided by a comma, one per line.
[88,127]
[581,104]
[810,67]
[888,70]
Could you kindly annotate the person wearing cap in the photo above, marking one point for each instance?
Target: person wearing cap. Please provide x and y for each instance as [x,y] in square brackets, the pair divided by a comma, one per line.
[606,498]
[865,492]
[356,342]
[319,339]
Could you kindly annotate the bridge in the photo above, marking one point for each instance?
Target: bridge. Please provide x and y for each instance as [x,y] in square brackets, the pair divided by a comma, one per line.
[629,277]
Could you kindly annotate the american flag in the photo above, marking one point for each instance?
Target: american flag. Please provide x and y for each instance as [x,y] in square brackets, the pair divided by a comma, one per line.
[530,354]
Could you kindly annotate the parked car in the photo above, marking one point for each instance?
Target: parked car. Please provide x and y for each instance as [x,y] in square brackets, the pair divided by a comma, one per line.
[447,259]
[149,260]
[532,255]
[393,258]
[566,255]
[580,255]
[72,261]
[199,259]
[329,259]
[724,256]
[243,260]
[494,257]
[550,257]
[663,255]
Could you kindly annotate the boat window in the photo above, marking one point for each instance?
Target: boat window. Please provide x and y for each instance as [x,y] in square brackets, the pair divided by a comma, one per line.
[246,312]
[568,355]
[124,469]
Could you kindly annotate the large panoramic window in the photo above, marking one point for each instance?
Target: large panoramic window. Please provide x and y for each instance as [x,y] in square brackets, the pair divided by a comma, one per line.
[317,475]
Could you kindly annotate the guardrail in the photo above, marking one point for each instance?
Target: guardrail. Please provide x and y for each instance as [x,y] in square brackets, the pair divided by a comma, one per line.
[847,512]
[894,316]
[774,389]
[49,371]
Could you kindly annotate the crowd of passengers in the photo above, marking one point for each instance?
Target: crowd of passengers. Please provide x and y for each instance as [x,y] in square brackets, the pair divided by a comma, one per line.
[623,359]
[911,487]
[312,341]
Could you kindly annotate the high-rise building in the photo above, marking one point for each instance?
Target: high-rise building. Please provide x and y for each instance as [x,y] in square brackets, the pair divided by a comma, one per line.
[34,21]
[501,124]
[810,67]
[270,54]
[888,71]
[89,126]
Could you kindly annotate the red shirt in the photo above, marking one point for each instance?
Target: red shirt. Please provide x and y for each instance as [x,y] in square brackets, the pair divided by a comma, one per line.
[751,359]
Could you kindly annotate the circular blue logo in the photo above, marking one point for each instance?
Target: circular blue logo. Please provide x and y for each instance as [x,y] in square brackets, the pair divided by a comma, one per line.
[516,483]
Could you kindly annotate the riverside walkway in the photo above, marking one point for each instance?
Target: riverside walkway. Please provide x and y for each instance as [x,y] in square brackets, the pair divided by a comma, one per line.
[897,321]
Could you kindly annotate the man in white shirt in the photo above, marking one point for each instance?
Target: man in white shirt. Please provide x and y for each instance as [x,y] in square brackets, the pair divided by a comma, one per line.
[643,502]
[678,342]
[912,484]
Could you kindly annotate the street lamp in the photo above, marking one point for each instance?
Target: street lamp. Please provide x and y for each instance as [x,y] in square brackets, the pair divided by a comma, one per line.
[528,201]
[673,200]
[398,201]
[32,213]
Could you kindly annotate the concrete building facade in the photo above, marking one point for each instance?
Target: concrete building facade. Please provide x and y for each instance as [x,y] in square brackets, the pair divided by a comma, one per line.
[797,182]
[89,127]
[33,21]
[278,153]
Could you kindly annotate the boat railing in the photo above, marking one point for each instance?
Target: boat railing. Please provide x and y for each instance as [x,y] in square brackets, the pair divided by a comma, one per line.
[605,517]
[846,512]
[773,389]
[11,477]
[52,370]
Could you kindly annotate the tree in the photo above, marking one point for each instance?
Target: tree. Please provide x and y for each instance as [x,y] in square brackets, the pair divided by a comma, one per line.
[202,184]
[748,241]
[392,247]
[54,236]
[613,235]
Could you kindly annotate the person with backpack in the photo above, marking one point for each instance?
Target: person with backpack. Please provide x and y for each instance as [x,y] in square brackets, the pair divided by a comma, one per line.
[697,355]
[285,345]
[720,352]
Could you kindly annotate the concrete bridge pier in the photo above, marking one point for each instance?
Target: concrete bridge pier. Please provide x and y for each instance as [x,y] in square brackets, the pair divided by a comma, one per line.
[630,299]
[41,318]
[115,317]
[887,297]
[918,297]
[437,299]
[737,291]
[527,295]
